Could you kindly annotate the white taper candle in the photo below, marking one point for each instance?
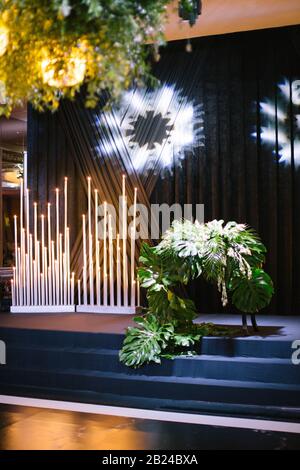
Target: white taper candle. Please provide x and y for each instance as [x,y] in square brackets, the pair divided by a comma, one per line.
[68,267]
[31,268]
[53,269]
[42,289]
[90,240]
[132,266]
[22,267]
[21,201]
[49,232]
[43,249]
[35,288]
[27,263]
[46,275]
[65,276]
[105,255]
[65,262]
[84,261]
[132,249]
[35,228]
[60,270]
[38,272]
[78,292]
[20,276]
[97,249]
[124,240]
[111,262]
[118,271]
[50,286]
[56,264]
[57,222]
[65,212]
[27,218]
[98,273]
[23,264]
[16,258]
[15,285]
[72,288]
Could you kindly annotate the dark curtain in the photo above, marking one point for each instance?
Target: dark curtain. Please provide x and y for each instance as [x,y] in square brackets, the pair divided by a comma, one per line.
[248,169]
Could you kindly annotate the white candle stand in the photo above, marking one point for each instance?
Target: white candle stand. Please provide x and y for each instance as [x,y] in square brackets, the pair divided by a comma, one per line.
[109,284]
[42,282]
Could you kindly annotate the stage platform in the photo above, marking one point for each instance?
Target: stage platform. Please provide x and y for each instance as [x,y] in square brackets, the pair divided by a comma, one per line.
[271,327]
[75,357]
[79,322]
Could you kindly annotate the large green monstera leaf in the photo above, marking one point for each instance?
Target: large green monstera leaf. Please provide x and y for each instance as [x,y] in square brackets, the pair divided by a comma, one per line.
[251,295]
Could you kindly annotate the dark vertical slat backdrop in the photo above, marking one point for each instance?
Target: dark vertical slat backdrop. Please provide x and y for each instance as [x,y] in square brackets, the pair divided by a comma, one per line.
[237,176]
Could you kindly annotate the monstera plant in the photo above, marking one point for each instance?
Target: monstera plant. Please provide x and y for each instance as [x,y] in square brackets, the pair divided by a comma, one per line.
[230,256]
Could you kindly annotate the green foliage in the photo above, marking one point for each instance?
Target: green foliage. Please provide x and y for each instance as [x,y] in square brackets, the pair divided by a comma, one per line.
[230,256]
[107,36]
[222,253]
[160,274]
[145,342]
[109,40]
[151,340]
[254,293]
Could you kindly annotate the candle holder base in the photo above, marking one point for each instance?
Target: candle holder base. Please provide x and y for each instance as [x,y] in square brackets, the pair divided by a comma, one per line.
[108,309]
[42,308]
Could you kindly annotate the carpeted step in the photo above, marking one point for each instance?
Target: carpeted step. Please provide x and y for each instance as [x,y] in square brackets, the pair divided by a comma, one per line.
[27,337]
[107,360]
[165,404]
[219,346]
[177,388]
[247,347]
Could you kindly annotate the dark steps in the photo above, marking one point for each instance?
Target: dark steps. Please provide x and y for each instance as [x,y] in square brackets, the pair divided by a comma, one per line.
[170,404]
[219,346]
[107,360]
[243,376]
[246,347]
[180,388]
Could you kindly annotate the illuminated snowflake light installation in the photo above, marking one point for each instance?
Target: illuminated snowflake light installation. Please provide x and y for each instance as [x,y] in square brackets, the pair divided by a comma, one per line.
[280,128]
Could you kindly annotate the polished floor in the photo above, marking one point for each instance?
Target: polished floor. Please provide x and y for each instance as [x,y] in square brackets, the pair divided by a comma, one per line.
[28,428]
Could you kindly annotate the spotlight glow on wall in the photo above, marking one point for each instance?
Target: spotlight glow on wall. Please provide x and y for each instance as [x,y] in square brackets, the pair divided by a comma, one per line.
[159,126]
[280,128]
[155,128]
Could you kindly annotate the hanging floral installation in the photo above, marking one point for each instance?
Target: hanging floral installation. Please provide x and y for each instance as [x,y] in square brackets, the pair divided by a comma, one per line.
[50,48]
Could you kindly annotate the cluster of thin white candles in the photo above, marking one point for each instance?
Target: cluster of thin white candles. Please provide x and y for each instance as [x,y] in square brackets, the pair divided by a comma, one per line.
[116,284]
[41,275]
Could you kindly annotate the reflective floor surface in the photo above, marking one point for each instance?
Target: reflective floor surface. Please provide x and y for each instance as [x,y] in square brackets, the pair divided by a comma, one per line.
[25,428]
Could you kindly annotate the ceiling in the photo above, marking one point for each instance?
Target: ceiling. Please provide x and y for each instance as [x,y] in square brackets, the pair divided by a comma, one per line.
[218,17]
[228,16]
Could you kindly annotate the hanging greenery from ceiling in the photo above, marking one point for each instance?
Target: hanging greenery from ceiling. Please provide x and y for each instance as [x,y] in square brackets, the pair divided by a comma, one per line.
[49,48]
